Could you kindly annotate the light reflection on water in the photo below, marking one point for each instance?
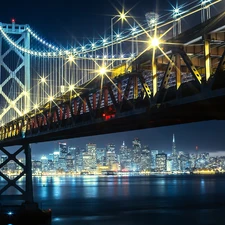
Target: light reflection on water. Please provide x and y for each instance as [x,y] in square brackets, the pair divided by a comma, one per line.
[78,198]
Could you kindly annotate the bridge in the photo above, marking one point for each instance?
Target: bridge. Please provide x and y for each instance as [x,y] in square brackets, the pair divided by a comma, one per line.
[147,75]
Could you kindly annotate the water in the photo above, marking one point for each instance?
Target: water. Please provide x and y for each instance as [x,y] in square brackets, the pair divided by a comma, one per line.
[166,199]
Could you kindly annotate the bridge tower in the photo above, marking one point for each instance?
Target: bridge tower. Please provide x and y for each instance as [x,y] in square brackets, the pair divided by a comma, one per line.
[15,101]
[14,72]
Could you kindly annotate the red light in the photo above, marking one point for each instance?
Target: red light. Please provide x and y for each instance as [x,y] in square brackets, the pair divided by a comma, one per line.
[13,20]
[103,114]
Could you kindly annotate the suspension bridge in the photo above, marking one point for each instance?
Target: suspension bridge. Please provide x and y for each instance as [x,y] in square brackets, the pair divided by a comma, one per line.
[146,75]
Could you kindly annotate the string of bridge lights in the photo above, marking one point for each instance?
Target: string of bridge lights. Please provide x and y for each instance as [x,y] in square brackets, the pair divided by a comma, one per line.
[86,51]
[80,52]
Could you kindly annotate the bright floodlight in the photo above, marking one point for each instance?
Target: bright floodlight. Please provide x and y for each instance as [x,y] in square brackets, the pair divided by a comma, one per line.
[176,11]
[154,42]
[102,70]
[35,106]
[153,21]
[10,213]
[71,87]
[122,16]
[50,98]
[25,93]
[43,80]
[71,58]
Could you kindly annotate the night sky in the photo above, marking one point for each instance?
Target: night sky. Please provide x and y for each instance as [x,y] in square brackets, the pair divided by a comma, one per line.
[64,22]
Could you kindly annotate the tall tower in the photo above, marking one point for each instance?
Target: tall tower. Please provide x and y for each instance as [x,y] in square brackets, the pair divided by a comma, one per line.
[174,152]
[14,72]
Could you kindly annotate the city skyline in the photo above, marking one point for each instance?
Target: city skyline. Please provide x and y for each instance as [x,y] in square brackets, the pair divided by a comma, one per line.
[110,160]
[183,141]
[61,21]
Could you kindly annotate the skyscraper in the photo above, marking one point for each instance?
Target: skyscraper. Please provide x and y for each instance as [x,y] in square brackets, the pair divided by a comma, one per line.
[63,151]
[90,157]
[161,162]
[174,156]
[136,159]
[125,157]
[145,159]
[153,159]
[174,152]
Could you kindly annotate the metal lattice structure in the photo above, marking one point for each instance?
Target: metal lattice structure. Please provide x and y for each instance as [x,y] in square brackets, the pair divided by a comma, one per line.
[145,78]
[15,75]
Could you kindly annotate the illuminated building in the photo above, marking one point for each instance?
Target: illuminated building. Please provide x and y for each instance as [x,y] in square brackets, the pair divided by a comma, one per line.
[125,157]
[91,153]
[78,160]
[87,162]
[69,162]
[36,166]
[72,150]
[101,156]
[51,156]
[161,162]
[145,159]
[169,165]
[51,165]
[174,152]
[44,162]
[153,159]
[175,164]
[136,159]
[183,161]
[56,160]
[3,159]
[62,150]
[111,159]
[11,166]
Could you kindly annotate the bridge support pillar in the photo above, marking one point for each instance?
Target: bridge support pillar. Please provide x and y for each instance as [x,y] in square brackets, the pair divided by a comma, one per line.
[207,59]
[12,211]
[29,183]
[11,70]
[26,194]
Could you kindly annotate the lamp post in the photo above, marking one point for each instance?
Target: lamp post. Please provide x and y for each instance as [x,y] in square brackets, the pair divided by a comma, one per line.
[177,22]
[122,16]
[112,36]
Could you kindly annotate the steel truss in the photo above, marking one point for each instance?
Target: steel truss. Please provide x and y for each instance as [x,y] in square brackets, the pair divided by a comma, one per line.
[27,194]
[77,109]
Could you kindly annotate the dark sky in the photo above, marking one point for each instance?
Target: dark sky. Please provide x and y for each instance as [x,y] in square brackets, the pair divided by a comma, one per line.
[66,20]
